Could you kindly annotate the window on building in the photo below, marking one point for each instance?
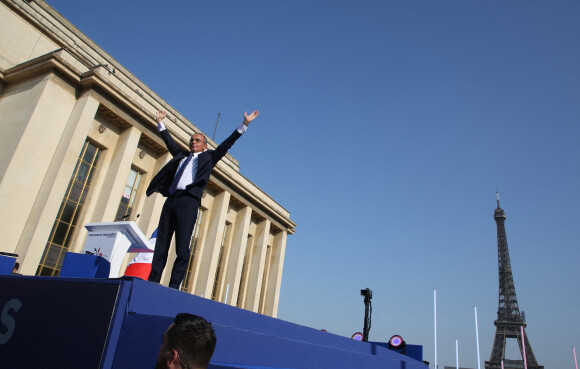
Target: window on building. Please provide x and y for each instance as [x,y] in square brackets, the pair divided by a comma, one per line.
[71,208]
[220,266]
[193,247]
[125,209]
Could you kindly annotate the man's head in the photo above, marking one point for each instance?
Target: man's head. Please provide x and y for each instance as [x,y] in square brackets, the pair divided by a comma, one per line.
[197,143]
[189,343]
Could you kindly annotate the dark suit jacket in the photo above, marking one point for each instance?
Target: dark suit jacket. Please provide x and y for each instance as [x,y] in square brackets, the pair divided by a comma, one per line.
[205,163]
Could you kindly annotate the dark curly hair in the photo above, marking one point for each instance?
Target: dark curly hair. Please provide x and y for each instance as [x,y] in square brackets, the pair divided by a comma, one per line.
[194,339]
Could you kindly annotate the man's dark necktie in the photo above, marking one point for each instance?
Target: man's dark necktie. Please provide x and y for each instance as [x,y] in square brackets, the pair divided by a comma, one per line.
[178,175]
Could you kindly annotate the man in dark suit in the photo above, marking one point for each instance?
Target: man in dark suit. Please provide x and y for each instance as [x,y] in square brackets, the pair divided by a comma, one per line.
[182,180]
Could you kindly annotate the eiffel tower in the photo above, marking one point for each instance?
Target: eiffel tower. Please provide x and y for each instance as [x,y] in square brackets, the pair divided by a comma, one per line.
[509,321]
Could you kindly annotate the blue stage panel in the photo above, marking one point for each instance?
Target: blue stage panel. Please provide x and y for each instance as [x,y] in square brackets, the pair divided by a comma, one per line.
[238,366]
[7,264]
[118,323]
[47,322]
[84,266]
[245,339]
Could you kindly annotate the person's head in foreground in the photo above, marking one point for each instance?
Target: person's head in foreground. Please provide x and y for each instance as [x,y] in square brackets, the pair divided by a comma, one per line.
[188,343]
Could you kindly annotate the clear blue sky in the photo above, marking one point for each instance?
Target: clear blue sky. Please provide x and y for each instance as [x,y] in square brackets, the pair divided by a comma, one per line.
[386,127]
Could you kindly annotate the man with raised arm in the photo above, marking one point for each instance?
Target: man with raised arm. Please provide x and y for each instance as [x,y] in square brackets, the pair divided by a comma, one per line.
[182,180]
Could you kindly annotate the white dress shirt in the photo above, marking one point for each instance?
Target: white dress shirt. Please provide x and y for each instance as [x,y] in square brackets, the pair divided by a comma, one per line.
[189,173]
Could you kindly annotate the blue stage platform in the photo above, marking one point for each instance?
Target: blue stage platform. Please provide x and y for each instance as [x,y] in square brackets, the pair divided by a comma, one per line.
[57,322]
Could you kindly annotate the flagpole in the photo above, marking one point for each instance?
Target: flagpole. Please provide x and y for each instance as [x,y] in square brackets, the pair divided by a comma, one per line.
[435,323]
[456,354]
[524,347]
[216,124]
[574,352]
[477,338]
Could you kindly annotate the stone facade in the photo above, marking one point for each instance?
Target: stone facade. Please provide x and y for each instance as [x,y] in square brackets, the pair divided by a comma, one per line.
[59,94]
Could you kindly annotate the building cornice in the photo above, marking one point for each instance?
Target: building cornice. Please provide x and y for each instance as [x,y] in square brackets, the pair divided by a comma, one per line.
[54,26]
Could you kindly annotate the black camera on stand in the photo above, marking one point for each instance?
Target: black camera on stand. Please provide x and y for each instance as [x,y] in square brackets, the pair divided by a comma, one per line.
[368,295]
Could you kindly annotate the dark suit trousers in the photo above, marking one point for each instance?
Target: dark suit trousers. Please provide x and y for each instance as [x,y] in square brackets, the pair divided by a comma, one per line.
[177,216]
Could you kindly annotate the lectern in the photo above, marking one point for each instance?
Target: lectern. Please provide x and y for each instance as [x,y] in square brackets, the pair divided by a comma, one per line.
[112,240]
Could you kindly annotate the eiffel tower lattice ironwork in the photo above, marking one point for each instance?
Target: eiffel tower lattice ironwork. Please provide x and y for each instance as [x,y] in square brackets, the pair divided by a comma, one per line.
[509,321]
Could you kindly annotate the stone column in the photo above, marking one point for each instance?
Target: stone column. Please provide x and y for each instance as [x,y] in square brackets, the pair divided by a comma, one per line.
[152,205]
[117,174]
[210,249]
[33,117]
[257,262]
[48,200]
[275,276]
[243,288]
[264,288]
[149,207]
[238,250]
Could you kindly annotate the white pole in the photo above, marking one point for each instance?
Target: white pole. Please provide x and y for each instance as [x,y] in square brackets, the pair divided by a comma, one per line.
[456,354]
[524,347]
[574,352]
[435,323]
[227,290]
[502,364]
[477,338]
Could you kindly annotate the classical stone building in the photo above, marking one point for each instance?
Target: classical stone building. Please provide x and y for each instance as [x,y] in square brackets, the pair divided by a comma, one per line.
[79,144]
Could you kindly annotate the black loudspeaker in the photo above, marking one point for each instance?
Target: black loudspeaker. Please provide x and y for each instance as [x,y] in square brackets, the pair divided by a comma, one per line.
[398,344]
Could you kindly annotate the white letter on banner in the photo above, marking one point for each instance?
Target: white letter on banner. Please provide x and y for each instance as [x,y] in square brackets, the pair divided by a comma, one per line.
[8,320]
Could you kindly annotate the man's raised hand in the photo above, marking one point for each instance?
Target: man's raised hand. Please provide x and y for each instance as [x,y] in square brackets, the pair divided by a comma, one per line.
[249,118]
[160,115]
